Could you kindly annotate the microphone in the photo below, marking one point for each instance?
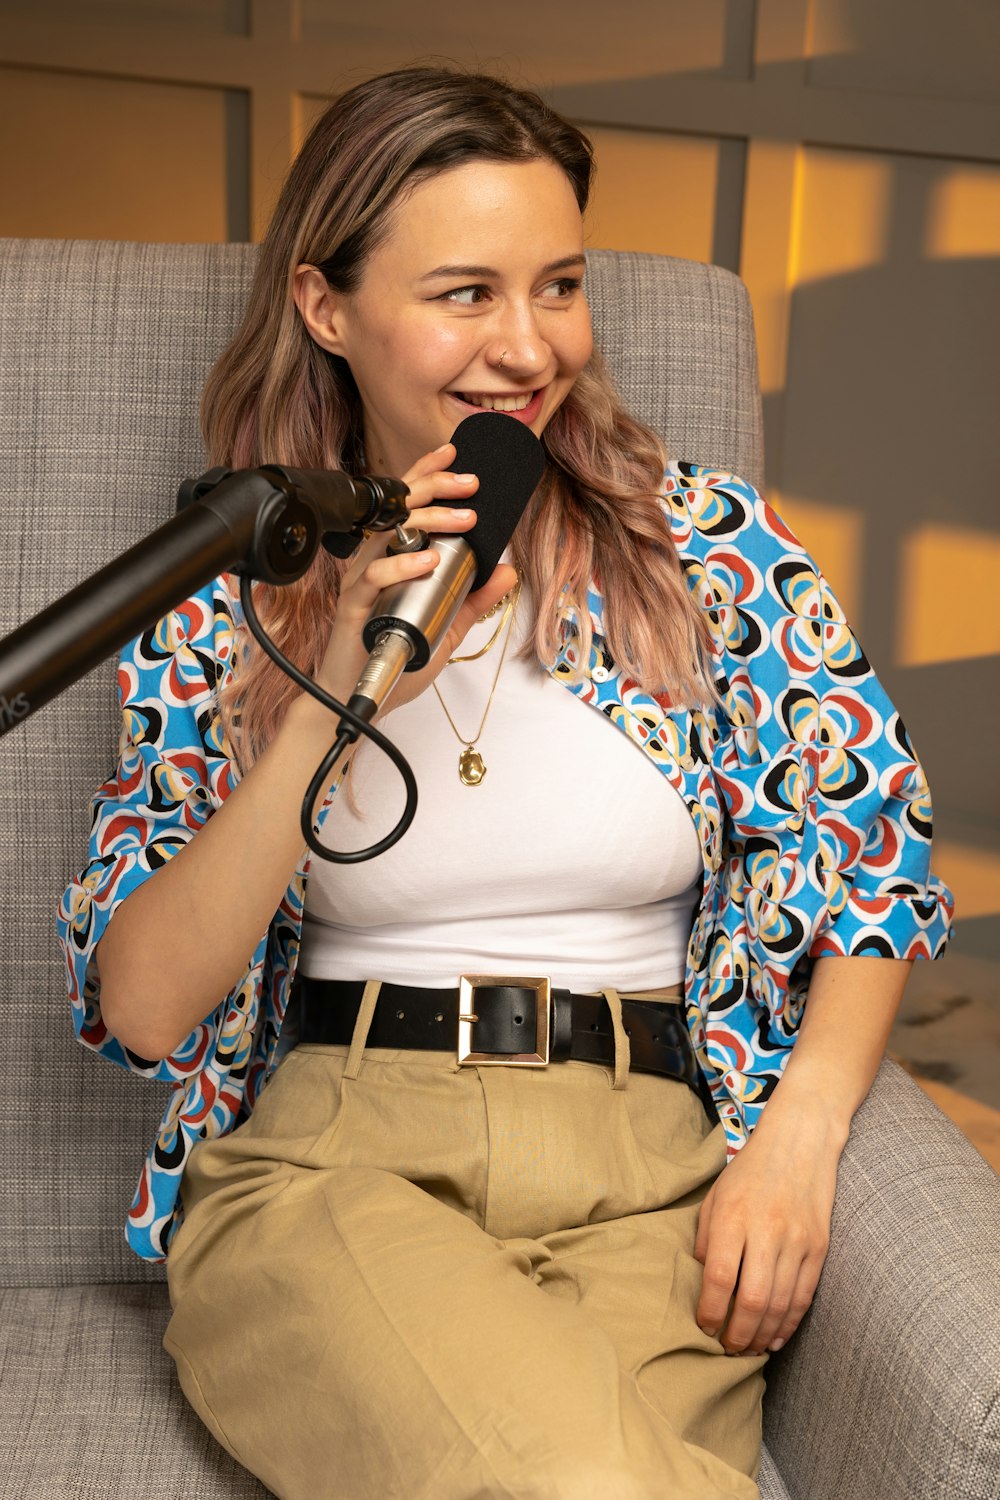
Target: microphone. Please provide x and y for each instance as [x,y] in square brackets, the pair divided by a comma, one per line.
[411,619]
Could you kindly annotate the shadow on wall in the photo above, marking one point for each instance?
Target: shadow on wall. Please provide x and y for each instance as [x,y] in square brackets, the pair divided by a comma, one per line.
[900,459]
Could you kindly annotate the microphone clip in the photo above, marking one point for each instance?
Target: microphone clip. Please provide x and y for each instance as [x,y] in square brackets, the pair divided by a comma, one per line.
[297,509]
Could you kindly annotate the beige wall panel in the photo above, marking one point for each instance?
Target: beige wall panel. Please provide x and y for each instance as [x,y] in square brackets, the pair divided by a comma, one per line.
[769,215]
[846,227]
[963,217]
[212,16]
[973,874]
[100,158]
[308,109]
[944,49]
[860,327]
[543,44]
[653,192]
[957,567]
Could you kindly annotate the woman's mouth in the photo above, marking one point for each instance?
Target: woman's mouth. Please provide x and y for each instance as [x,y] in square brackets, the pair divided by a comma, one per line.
[524,405]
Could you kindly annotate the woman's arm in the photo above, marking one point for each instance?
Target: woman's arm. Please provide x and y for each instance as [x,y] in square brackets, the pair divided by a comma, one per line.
[180,941]
[764,1226]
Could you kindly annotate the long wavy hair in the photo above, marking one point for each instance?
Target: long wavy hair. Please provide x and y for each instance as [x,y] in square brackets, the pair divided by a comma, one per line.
[275,396]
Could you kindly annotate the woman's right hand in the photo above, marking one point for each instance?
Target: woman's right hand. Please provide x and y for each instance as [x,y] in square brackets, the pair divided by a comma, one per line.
[371,570]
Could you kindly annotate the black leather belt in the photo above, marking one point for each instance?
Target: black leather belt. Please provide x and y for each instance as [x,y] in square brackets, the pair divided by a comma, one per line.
[503,1021]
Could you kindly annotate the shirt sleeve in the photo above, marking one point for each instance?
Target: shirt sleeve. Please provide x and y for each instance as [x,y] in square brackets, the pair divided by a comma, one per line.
[173,772]
[829,803]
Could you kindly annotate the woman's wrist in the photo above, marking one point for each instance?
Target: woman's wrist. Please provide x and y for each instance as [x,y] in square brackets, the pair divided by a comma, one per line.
[810,1102]
[311,720]
[845,1026]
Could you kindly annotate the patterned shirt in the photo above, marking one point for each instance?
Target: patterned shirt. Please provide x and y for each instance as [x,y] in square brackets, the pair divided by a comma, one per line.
[811,808]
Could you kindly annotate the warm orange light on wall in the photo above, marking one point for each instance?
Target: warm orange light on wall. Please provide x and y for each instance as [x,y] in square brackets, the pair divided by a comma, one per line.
[964,215]
[108,158]
[973,875]
[653,192]
[843,218]
[948,595]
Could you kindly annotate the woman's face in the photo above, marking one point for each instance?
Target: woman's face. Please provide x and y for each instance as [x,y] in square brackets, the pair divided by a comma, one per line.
[481,265]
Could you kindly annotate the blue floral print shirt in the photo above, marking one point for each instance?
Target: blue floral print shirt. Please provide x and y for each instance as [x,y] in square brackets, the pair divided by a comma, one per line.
[812,811]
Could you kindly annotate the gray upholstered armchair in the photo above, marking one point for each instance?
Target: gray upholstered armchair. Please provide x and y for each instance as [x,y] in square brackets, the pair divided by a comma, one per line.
[890,1388]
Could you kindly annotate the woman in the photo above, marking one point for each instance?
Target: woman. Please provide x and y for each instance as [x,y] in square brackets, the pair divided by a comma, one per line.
[402,1275]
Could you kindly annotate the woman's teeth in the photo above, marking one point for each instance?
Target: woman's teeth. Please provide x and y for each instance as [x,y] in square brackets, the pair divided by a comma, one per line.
[499,403]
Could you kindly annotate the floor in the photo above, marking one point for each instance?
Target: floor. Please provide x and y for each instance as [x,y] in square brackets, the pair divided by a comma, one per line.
[947,1036]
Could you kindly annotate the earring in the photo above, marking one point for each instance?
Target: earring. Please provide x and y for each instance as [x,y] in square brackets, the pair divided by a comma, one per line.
[501,359]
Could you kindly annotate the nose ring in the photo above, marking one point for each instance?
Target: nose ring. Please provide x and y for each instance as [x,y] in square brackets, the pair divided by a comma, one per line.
[501,359]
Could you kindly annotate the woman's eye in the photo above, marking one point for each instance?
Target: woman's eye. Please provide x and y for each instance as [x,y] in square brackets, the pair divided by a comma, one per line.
[466,296]
[565,286]
[559,290]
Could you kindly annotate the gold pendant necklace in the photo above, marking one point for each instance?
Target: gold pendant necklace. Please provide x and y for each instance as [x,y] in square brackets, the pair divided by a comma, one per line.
[471,766]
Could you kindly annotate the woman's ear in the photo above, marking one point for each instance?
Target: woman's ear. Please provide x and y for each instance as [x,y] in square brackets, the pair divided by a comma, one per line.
[319,307]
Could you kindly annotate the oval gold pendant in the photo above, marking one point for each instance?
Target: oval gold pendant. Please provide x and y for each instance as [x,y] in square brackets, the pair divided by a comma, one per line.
[471,769]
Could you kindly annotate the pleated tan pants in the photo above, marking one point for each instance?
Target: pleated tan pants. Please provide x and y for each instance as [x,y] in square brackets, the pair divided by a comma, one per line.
[400,1278]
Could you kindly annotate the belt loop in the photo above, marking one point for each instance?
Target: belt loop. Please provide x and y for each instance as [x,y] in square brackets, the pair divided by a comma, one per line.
[623,1051]
[360,1034]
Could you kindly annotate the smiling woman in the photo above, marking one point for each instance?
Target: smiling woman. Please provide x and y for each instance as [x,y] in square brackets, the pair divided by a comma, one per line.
[441,1187]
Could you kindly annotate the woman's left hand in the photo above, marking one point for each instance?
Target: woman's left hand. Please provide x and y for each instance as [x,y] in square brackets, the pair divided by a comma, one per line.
[763,1233]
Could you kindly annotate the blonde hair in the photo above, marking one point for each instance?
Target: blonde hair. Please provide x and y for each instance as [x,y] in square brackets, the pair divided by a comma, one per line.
[275,396]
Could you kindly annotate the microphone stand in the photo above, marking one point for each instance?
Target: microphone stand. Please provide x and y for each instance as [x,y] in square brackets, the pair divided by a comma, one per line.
[265,523]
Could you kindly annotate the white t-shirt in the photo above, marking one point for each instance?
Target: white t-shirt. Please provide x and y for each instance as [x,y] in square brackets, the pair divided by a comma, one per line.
[574,858]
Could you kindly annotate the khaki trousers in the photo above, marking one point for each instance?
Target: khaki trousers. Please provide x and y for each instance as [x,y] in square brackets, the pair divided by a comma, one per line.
[401,1278]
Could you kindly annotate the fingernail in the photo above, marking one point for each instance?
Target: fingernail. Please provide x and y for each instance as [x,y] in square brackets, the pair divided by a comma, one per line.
[465,478]
[713,1333]
[462,513]
[775,1345]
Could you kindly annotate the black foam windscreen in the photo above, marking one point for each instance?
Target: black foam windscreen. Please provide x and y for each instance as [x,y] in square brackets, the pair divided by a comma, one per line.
[508,461]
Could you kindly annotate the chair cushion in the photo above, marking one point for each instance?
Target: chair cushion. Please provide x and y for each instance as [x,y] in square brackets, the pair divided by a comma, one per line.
[890,1387]
[90,1405]
[769,1481]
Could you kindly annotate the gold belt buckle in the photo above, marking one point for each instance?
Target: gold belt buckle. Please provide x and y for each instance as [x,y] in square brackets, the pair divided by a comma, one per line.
[468,984]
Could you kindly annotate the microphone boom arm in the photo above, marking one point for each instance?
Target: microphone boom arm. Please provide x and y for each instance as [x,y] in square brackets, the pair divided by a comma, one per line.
[266,523]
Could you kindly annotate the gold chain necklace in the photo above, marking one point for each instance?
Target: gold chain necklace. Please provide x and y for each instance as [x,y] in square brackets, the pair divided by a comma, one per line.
[471,766]
[510,600]
[511,593]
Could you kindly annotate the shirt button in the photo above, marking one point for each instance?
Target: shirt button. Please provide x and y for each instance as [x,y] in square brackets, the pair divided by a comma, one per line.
[600,674]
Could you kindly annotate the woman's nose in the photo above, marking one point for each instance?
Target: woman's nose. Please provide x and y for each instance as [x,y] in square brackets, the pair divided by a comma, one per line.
[518,346]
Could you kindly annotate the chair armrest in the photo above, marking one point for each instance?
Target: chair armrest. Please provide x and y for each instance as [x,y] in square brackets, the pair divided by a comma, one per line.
[890,1387]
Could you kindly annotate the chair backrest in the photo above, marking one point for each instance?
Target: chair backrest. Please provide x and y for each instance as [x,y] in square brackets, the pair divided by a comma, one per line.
[103,350]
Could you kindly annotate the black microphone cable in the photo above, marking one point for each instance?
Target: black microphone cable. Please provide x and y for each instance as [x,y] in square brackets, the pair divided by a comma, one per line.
[345,738]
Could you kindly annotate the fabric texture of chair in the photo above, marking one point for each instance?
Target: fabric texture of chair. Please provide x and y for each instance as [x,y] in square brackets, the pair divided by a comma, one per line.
[890,1387]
